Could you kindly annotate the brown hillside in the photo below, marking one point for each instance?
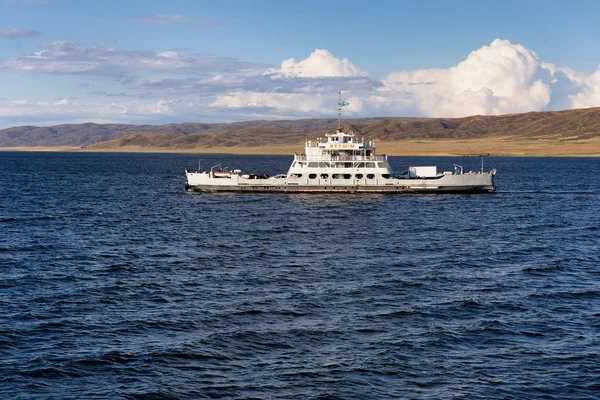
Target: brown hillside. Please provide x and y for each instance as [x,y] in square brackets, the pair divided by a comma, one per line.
[578,124]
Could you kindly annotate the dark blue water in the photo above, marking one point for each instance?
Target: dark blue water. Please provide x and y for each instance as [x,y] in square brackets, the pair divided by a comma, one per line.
[114,283]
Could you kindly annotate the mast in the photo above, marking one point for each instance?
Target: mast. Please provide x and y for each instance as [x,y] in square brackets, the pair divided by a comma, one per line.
[339,111]
[341,103]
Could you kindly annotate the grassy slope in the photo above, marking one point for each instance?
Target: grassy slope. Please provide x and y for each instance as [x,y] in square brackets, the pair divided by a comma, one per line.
[554,133]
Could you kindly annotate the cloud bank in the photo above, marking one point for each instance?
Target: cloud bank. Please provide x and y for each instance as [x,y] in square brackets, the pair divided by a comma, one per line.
[499,78]
[154,87]
[68,58]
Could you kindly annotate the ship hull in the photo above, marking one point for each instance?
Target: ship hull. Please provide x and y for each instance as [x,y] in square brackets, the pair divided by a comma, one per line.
[391,188]
[308,189]
[298,189]
[464,183]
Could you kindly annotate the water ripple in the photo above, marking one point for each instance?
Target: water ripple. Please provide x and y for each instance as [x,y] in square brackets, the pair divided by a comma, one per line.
[117,284]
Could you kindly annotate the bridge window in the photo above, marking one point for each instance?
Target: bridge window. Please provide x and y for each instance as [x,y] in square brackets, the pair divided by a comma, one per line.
[370,176]
[359,176]
[324,176]
[312,176]
[386,176]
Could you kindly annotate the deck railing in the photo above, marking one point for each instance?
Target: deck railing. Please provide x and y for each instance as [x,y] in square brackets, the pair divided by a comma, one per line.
[303,157]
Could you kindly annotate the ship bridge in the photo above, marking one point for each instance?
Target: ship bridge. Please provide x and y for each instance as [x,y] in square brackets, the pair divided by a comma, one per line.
[343,141]
[340,146]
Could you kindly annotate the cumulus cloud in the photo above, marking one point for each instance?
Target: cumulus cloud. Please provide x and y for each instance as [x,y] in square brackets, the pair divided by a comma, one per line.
[321,63]
[17,33]
[589,93]
[495,79]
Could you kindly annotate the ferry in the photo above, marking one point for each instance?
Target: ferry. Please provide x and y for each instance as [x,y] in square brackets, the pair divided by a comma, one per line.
[340,162]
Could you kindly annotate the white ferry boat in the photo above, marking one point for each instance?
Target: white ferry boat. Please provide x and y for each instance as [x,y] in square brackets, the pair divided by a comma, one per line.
[341,162]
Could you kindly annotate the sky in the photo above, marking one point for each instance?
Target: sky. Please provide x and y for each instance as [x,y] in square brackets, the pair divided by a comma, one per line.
[158,62]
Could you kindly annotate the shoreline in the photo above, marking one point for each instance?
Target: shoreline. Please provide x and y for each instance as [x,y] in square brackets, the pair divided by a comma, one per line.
[501,147]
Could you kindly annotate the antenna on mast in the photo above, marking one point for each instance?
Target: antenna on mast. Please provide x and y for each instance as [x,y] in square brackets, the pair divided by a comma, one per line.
[341,103]
[339,111]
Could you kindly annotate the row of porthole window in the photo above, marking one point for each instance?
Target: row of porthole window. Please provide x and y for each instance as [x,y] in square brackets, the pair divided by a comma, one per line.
[344,176]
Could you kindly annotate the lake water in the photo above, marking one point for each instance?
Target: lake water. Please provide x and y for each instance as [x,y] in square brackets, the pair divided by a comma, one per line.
[115,283]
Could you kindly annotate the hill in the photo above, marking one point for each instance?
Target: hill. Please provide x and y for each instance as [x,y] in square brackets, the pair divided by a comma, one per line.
[580,124]
[90,133]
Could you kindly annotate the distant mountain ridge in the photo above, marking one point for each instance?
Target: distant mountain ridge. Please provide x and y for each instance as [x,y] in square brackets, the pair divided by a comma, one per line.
[572,124]
[90,133]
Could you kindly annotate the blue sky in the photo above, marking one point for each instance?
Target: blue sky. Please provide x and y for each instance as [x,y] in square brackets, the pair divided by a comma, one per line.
[156,62]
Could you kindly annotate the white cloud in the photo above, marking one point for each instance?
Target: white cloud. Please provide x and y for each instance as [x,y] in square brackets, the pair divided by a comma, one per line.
[18,102]
[64,57]
[589,95]
[321,63]
[66,111]
[495,79]
[17,33]
[285,102]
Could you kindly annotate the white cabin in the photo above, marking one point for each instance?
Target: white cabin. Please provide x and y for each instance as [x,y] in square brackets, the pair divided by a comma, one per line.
[339,157]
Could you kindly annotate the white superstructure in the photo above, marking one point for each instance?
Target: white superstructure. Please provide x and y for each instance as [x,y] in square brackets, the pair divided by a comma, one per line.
[338,157]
